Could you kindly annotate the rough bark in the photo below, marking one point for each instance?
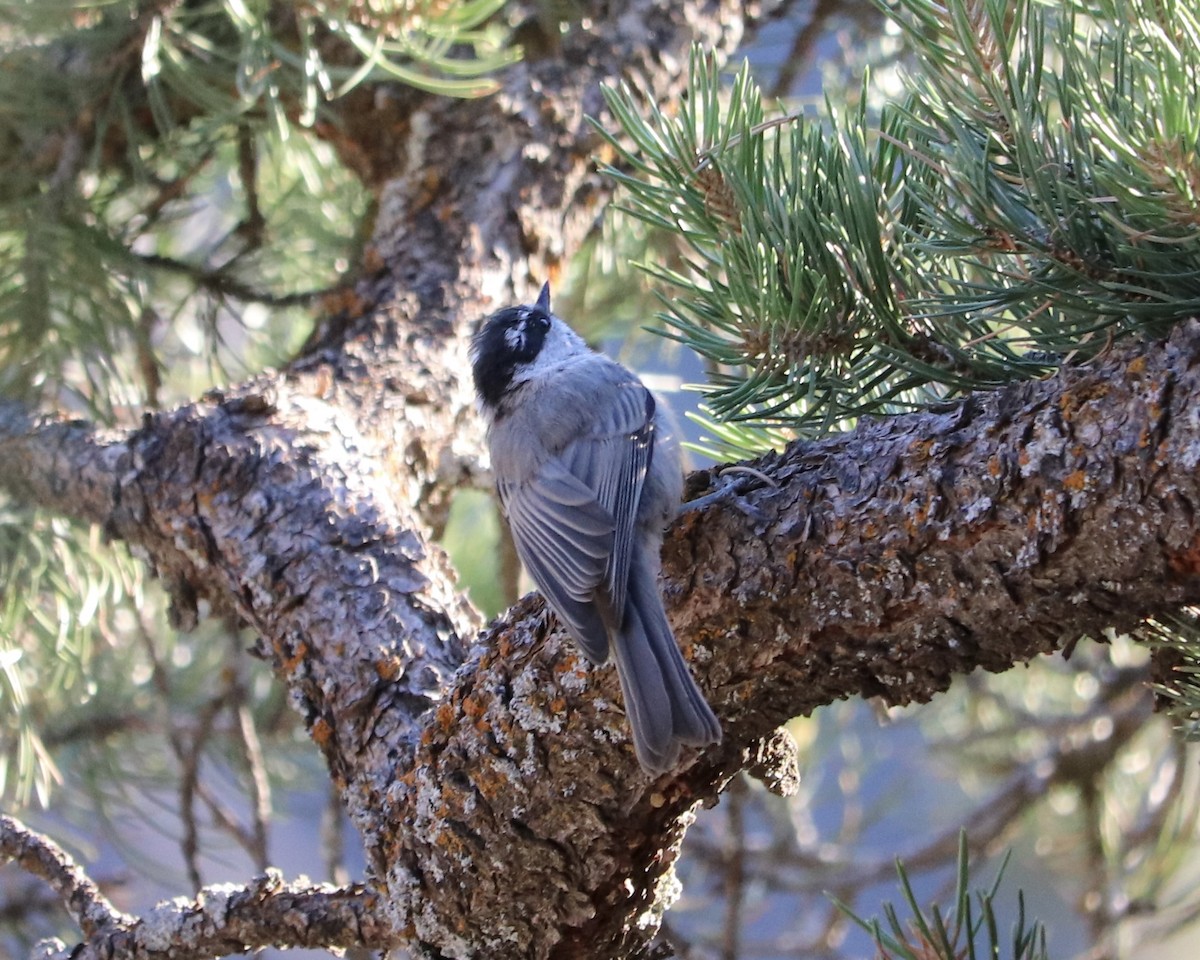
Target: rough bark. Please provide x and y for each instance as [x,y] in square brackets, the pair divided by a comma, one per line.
[498,797]
[44,858]
[227,919]
[877,563]
[502,804]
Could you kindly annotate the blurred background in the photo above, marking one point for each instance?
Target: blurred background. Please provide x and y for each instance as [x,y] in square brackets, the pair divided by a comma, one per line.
[163,760]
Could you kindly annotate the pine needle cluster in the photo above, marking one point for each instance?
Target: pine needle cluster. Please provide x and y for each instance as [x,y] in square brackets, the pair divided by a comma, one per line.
[970,930]
[1031,198]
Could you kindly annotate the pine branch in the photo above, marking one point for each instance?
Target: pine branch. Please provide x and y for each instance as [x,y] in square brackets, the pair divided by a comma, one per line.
[114,103]
[222,283]
[230,919]
[42,857]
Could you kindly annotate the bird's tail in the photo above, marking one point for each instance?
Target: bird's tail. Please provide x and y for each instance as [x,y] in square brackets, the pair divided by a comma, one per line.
[663,703]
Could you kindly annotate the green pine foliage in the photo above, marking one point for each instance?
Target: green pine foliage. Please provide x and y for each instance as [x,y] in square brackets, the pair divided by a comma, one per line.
[969,931]
[128,125]
[60,591]
[1179,636]
[1032,197]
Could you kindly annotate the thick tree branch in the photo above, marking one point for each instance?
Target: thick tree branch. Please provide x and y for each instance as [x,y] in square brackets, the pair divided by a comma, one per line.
[227,919]
[877,563]
[884,561]
[881,562]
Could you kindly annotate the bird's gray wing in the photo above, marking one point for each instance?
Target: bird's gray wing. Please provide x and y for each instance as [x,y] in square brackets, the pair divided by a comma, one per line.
[573,522]
[564,537]
[612,461]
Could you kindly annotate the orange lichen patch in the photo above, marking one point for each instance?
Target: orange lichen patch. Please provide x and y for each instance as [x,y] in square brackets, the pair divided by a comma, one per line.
[994,466]
[1075,481]
[388,668]
[687,521]
[291,663]
[558,705]
[1071,401]
[1186,563]
[448,840]
[322,383]
[921,448]
[446,716]
[489,781]
[474,707]
[322,732]
[429,189]
[1136,367]
[918,519]
[345,301]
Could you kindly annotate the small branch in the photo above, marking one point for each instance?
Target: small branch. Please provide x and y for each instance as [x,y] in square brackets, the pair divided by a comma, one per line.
[189,754]
[42,857]
[256,767]
[221,283]
[255,224]
[332,836]
[734,869]
[58,465]
[228,919]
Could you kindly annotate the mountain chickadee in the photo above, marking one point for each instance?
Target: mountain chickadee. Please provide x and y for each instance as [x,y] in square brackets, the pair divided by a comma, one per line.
[588,476]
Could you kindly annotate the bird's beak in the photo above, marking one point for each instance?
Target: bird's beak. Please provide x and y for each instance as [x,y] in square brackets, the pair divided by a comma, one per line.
[543,299]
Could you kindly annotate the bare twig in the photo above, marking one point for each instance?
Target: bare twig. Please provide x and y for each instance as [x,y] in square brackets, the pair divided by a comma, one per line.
[42,857]
[260,784]
[254,224]
[333,836]
[735,872]
[190,755]
[221,282]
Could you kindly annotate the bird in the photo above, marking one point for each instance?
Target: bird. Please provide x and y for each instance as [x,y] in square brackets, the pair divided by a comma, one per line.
[588,475]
